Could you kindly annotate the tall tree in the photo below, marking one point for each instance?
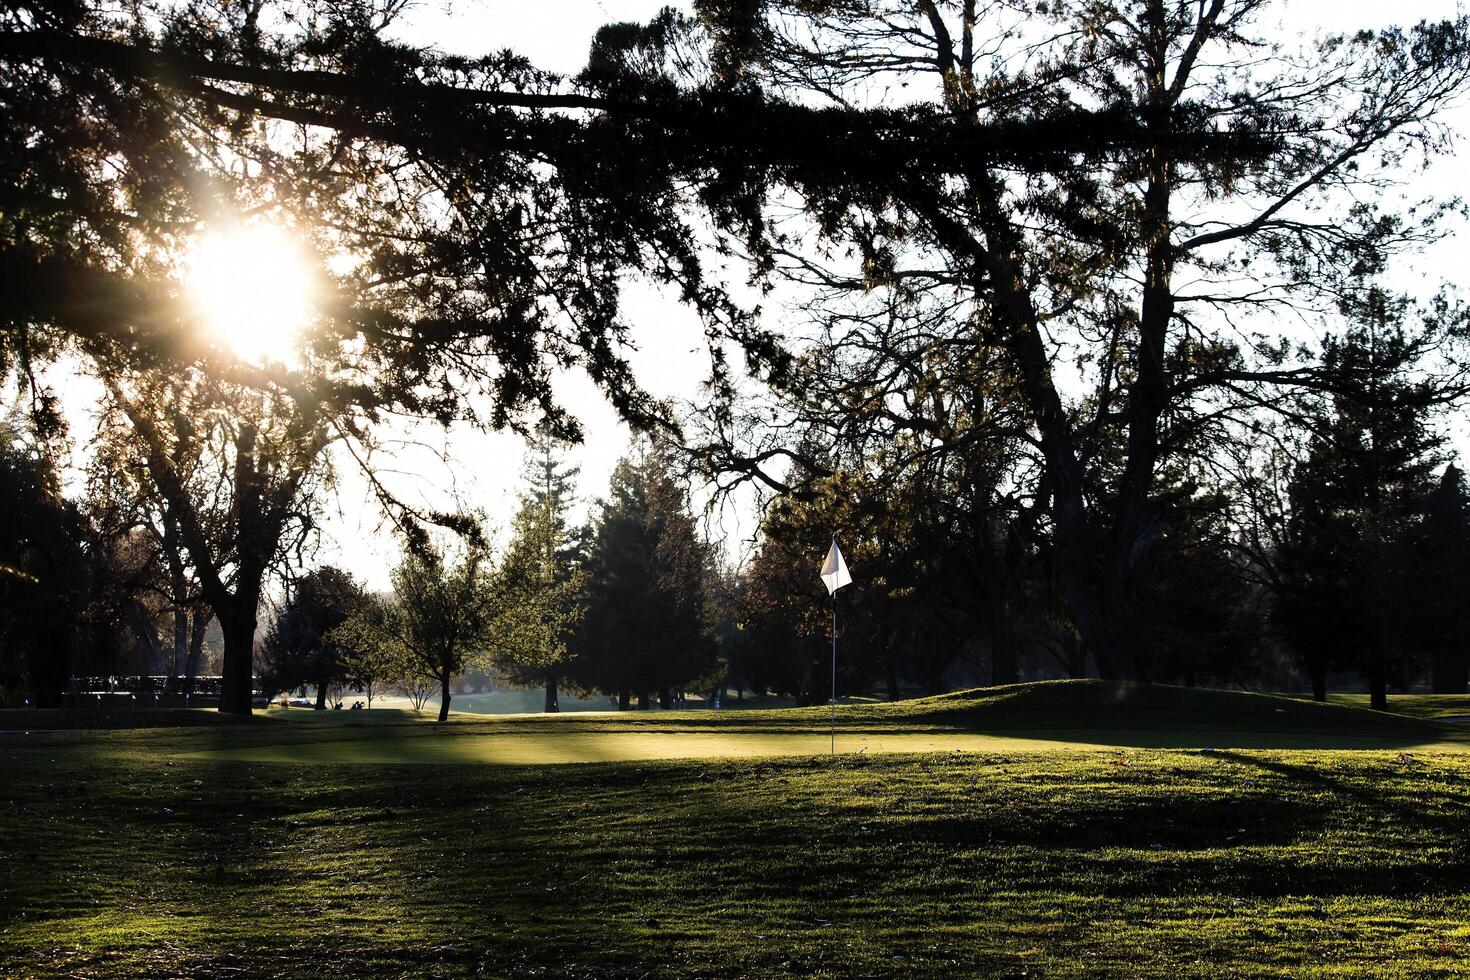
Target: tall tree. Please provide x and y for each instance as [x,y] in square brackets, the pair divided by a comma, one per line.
[540,576]
[1354,500]
[1083,258]
[44,580]
[235,467]
[649,626]
[1439,568]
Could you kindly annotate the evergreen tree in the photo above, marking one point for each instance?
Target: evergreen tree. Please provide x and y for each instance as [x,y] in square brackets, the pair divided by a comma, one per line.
[1193,596]
[43,575]
[1353,504]
[1441,583]
[540,576]
[648,627]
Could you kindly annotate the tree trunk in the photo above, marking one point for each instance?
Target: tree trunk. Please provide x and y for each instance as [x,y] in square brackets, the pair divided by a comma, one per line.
[552,705]
[643,702]
[625,697]
[1318,674]
[665,699]
[177,593]
[321,697]
[1004,668]
[1377,686]
[199,625]
[181,646]
[237,682]
[444,696]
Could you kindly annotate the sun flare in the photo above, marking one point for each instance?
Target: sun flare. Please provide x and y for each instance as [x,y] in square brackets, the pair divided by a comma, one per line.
[253,288]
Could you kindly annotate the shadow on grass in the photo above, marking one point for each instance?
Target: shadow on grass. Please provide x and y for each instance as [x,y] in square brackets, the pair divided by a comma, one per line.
[603,870]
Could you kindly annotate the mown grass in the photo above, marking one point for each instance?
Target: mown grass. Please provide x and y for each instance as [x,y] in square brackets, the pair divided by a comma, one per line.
[1413,705]
[120,855]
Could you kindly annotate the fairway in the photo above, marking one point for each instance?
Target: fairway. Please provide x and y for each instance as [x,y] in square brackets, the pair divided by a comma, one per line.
[973,834]
[1041,717]
[554,748]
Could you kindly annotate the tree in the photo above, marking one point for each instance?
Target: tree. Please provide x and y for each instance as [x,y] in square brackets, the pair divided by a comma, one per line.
[1198,623]
[301,646]
[371,655]
[417,687]
[1064,169]
[540,579]
[442,612]
[1083,258]
[1354,500]
[1439,568]
[648,626]
[137,538]
[235,469]
[923,430]
[44,574]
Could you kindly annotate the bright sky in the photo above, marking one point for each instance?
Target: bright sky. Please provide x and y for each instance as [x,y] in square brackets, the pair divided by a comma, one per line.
[483,470]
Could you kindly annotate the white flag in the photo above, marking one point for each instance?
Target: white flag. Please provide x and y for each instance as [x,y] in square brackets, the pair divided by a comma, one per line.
[834,570]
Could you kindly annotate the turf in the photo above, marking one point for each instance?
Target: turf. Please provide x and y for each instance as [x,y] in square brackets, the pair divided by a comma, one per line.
[1414,705]
[121,853]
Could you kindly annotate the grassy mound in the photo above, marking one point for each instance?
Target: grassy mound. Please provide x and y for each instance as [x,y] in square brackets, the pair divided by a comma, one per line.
[1099,707]
[1092,704]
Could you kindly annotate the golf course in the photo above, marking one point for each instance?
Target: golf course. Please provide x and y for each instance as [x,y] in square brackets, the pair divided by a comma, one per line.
[1053,829]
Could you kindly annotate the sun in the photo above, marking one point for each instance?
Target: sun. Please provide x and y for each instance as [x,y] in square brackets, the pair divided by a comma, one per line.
[253,289]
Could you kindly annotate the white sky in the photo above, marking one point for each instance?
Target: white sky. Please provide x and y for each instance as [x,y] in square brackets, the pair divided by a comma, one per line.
[670,360]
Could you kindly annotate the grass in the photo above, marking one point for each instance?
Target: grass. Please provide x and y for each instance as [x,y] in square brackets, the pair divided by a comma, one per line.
[124,853]
[1413,705]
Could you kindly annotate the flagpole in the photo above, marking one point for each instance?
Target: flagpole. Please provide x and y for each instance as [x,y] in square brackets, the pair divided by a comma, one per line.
[834,576]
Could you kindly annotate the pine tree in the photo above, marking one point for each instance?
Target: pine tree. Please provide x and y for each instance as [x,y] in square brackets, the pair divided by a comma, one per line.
[540,576]
[1441,586]
[1354,500]
[648,627]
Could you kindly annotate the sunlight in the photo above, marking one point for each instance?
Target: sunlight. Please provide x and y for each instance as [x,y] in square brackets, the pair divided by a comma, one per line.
[254,289]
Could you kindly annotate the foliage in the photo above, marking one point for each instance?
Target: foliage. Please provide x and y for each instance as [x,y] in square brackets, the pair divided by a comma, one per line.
[539,579]
[1354,501]
[45,580]
[1439,582]
[371,658]
[236,470]
[443,611]
[649,625]
[301,646]
[1066,280]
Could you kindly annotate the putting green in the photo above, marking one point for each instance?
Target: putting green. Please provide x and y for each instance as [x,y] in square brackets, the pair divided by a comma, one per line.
[580,747]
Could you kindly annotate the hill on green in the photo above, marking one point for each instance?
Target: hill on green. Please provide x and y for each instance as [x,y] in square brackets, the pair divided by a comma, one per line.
[1094,704]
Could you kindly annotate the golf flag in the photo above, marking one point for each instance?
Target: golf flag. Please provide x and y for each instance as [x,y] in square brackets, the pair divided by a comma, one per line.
[834,570]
